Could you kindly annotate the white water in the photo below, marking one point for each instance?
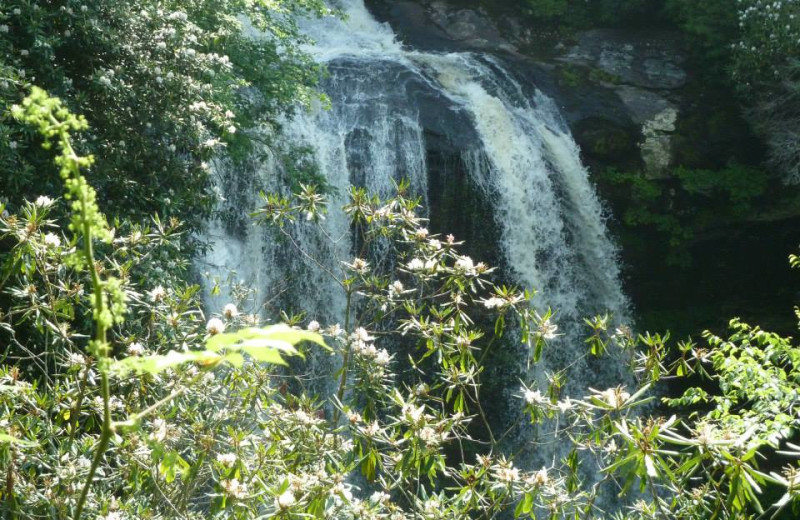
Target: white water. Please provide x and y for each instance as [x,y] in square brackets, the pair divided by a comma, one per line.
[519,152]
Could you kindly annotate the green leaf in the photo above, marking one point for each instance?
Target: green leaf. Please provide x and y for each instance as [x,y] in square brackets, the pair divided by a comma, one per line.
[10,439]
[279,337]
[267,345]
[158,363]
[172,465]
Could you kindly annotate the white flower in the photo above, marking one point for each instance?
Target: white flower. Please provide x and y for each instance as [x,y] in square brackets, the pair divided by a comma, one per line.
[52,240]
[17,11]
[24,52]
[285,500]
[464,263]
[361,334]
[104,81]
[396,289]
[3,28]
[84,8]
[413,414]
[494,303]
[13,145]
[382,358]
[547,329]
[379,497]
[43,201]
[614,397]
[76,359]
[178,15]
[335,331]
[67,33]
[429,436]
[112,515]
[170,75]
[533,396]
[313,326]
[232,129]
[135,349]
[234,488]
[565,405]
[157,294]
[416,264]
[421,233]
[215,326]
[507,474]
[540,478]
[226,459]
[230,311]
[359,265]
[159,432]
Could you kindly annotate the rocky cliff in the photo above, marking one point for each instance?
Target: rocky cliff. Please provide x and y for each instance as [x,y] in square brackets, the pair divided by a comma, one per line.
[692,192]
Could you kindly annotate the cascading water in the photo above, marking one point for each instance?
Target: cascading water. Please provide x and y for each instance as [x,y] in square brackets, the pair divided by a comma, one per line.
[513,144]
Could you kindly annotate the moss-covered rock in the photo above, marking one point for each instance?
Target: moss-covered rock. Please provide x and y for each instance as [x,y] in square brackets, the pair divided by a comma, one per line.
[607,141]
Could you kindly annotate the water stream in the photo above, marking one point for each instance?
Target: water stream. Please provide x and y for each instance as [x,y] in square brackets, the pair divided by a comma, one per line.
[514,146]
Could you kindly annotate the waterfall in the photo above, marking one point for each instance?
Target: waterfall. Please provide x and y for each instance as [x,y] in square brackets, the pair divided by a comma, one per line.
[514,147]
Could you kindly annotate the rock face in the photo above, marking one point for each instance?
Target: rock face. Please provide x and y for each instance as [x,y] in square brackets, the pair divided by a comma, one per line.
[621,91]
[646,71]
[650,60]
[441,26]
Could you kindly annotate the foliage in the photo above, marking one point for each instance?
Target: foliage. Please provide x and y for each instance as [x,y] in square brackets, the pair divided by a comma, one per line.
[165,86]
[754,45]
[712,26]
[169,431]
[581,14]
[694,202]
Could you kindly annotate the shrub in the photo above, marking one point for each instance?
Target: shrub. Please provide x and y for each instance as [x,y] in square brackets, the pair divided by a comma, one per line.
[165,86]
[186,426]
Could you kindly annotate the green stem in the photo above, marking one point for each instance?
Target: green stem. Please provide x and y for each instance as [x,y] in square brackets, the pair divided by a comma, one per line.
[100,345]
[345,358]
[102,446]
[76,410]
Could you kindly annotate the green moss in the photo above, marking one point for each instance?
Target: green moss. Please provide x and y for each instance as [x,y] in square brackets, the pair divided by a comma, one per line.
[602,76]
[571,76]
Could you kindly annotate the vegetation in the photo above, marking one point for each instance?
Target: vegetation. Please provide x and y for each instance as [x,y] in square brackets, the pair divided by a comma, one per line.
[164,87]
[578,13]
[122,400]
[750,46]
[696,201]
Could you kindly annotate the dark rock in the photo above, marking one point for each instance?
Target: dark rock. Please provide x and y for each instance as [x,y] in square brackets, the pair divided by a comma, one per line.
[441,26]
[606,141]
[646,59]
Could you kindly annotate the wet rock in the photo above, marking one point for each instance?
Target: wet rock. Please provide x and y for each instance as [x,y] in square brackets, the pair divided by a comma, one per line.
[649,60]
[471,27]
[442,26]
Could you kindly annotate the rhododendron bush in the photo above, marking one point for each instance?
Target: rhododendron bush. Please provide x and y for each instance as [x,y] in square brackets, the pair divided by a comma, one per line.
[164,85]
[121,398]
